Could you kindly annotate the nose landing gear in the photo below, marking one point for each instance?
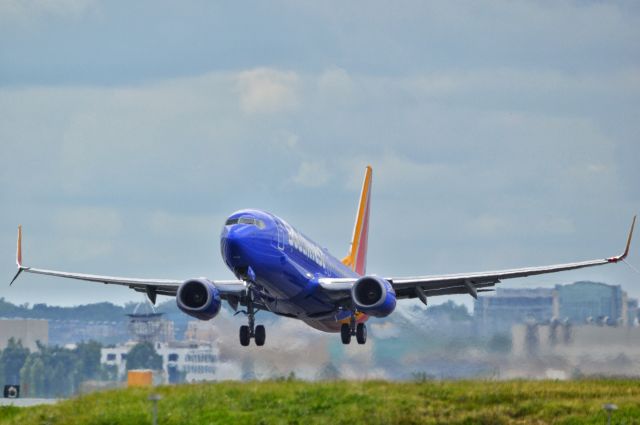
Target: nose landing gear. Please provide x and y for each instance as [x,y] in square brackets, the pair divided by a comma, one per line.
[258,333]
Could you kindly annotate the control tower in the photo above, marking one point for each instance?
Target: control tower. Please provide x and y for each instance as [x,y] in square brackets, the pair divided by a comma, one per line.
[147,325]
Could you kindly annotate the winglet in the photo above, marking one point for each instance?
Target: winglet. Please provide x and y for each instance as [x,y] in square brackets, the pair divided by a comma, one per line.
[626,250]
[19,248]
[18,255]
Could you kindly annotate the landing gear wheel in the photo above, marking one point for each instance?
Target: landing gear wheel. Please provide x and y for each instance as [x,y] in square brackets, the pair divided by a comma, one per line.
[245,335]
[361,333]
[260,335]
[345,333]
[249,331]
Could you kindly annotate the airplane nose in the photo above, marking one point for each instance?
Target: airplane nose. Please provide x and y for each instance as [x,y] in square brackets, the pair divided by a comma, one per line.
[231,245]
[234,251]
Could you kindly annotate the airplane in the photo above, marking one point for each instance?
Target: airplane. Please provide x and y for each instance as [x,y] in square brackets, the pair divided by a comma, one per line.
[280,270]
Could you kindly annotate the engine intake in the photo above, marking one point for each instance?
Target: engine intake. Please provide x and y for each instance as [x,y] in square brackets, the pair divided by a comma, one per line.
[374,296]
[199,298]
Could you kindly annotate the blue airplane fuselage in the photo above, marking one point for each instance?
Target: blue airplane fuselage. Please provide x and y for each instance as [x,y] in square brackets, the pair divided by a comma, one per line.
[284,267]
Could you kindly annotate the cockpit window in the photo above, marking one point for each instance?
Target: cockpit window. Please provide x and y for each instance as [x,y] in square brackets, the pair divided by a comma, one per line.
[246,220]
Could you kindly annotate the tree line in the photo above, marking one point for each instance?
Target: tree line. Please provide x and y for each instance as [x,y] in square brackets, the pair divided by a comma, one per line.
[54,371]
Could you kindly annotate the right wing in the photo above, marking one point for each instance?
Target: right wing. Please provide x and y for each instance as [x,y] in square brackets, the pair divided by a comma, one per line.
[152,287]
[423,287]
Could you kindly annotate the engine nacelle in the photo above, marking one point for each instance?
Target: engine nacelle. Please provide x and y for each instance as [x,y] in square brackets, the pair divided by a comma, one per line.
[199,298]
[374,296]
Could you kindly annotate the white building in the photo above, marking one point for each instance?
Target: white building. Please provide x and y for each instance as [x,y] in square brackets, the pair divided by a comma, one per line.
[196,361]
[28,331]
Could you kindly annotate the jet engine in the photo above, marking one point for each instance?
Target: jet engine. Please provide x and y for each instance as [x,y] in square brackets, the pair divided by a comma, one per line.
[199,298]
[374,296]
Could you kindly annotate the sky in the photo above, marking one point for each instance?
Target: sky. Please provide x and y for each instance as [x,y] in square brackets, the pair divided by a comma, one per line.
[501,134]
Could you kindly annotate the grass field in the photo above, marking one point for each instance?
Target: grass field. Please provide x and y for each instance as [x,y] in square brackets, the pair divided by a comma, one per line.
[344,402]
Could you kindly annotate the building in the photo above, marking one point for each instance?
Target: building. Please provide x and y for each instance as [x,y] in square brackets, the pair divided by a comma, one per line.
[145,324]
[632,312]
[200,331]
[29,331]
[576,303]
[582,302]
[180,361]
[63,332]
[497,313]
[559,350]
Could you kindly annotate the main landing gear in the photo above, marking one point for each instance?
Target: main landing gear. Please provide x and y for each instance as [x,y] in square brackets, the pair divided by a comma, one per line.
[347,330]
[258,333]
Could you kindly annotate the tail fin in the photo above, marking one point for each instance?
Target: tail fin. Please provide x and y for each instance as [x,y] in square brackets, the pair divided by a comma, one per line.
[356,259]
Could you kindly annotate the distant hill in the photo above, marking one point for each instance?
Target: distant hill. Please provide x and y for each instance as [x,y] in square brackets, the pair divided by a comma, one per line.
[438,322]
[90,312]
[97,312]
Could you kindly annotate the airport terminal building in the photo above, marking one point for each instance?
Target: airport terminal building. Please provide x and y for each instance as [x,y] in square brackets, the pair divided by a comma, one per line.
[180,360]
[577,303]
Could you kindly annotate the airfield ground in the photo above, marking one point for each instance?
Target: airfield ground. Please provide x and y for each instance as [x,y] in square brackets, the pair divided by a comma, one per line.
[344,402]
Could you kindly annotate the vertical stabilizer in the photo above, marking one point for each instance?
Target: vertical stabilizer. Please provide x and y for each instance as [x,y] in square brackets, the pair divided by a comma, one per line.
[356,259]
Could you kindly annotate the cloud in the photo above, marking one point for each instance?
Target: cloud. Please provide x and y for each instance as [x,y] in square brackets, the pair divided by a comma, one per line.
[83,220]
[461,161]
[394,171]
[30,10]
[167,224]
[265,90]
[336,86]
[311,174]
[81,240]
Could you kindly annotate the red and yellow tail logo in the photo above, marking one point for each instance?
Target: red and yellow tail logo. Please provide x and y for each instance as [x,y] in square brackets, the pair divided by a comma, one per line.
[357,257]
[19,247]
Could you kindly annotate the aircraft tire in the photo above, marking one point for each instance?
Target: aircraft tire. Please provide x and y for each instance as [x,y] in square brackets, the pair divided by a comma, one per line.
[361,333]
[345,333]
[245,336]
[260,335]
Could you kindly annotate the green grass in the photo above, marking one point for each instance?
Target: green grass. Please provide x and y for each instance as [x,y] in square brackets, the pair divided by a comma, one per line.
[347,402]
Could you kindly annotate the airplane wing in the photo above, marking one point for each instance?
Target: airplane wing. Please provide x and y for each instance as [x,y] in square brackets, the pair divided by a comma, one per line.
[423,287]
[152,287]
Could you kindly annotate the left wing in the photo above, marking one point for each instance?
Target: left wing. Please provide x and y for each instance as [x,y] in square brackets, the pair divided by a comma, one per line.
[465,283]
[152,287]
